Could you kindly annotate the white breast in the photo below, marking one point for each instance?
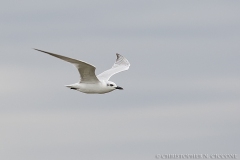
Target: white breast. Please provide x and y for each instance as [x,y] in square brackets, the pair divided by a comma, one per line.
[96,88]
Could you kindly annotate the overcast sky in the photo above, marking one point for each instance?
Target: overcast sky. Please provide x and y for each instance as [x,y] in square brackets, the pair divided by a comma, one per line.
[181,93]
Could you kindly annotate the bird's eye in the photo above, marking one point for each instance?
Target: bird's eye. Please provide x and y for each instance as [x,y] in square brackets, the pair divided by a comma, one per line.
[111,84]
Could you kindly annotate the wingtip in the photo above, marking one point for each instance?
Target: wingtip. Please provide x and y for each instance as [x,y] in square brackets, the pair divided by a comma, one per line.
[118,55]
[35,49]
[40,50]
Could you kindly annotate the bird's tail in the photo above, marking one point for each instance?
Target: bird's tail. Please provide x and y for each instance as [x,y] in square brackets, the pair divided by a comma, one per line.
[71,86]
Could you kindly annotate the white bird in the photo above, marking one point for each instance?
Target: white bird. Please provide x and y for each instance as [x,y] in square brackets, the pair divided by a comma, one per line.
[89,82]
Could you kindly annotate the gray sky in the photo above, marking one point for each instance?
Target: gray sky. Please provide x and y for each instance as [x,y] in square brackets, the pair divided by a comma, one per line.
[181,94]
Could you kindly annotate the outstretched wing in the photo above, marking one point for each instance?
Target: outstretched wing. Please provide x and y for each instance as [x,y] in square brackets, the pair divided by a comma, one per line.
[86,71]
[120,65]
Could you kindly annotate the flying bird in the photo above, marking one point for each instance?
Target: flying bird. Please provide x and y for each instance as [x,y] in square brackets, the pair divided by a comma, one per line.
[89,82]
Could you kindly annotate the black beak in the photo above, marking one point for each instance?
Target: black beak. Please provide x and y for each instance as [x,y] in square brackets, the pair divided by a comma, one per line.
[119,88]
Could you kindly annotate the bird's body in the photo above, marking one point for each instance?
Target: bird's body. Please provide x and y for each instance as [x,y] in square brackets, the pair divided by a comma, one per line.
[89,82]
[91,88]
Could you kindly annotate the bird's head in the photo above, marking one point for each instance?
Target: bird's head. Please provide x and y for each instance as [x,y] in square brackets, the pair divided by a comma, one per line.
[113,85]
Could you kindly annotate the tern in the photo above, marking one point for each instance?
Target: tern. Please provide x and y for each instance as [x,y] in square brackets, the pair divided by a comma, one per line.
[90,83]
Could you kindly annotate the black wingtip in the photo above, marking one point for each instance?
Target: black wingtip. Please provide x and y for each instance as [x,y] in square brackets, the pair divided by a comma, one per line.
[36,49]
[118,55]
[43,51]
